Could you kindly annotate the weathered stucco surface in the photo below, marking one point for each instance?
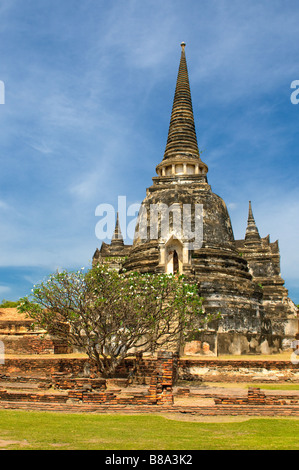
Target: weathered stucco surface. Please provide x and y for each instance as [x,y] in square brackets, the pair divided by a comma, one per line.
[240,279]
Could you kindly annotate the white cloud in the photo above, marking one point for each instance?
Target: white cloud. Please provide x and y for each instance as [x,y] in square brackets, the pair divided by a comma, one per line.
[232,206]
[4,290]
[4,206]
[41,147]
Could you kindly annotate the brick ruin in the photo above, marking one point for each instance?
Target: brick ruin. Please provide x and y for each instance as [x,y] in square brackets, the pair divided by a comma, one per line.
[73,386]
[94,389]
[256,396]
[18,337]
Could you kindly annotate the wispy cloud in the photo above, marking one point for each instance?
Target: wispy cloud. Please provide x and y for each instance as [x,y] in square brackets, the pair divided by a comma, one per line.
[4,290]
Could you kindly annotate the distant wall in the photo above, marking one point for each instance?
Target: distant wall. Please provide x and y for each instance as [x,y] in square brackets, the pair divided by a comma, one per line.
[32,344]
[213,343]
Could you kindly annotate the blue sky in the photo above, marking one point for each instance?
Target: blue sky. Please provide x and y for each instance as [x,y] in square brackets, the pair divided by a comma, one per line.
[88,95]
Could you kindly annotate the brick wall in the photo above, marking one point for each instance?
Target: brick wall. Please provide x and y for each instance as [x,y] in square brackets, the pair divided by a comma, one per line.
[257,397]
[162,379]
[94,394]
[91,390]
[64,382]
[205,370]
[32,344]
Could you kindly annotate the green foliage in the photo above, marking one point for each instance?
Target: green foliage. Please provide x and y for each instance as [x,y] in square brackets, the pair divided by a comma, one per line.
[9,303]
[108,314]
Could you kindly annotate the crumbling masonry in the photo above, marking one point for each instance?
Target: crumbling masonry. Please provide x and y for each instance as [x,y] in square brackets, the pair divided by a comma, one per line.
[238,278]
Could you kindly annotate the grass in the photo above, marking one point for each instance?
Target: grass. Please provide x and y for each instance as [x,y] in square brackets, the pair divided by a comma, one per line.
[283,356]
[283,386]
[23,430]
[244,385]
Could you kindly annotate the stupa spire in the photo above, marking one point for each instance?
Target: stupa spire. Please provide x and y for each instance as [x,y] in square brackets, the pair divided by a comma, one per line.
[117,238]
[182,134]
[252,233]
[182,146]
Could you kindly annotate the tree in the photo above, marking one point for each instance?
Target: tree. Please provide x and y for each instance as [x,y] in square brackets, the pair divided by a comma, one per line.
[109,315]
[9,303]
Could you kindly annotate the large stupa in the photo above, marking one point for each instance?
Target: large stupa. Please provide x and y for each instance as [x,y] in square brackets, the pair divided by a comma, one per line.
[184,227]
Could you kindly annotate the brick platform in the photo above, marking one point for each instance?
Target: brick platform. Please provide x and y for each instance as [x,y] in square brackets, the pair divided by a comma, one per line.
[23,383]
[127,400]
[220,410]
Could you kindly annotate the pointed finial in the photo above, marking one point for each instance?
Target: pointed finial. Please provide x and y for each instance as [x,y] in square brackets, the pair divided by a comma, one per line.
[250,213]
[117,236]
[182,138]
[252,233]
[181,146]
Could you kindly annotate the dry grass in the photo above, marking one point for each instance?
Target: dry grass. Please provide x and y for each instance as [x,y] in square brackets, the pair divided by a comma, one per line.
[12,314]
[285,356]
